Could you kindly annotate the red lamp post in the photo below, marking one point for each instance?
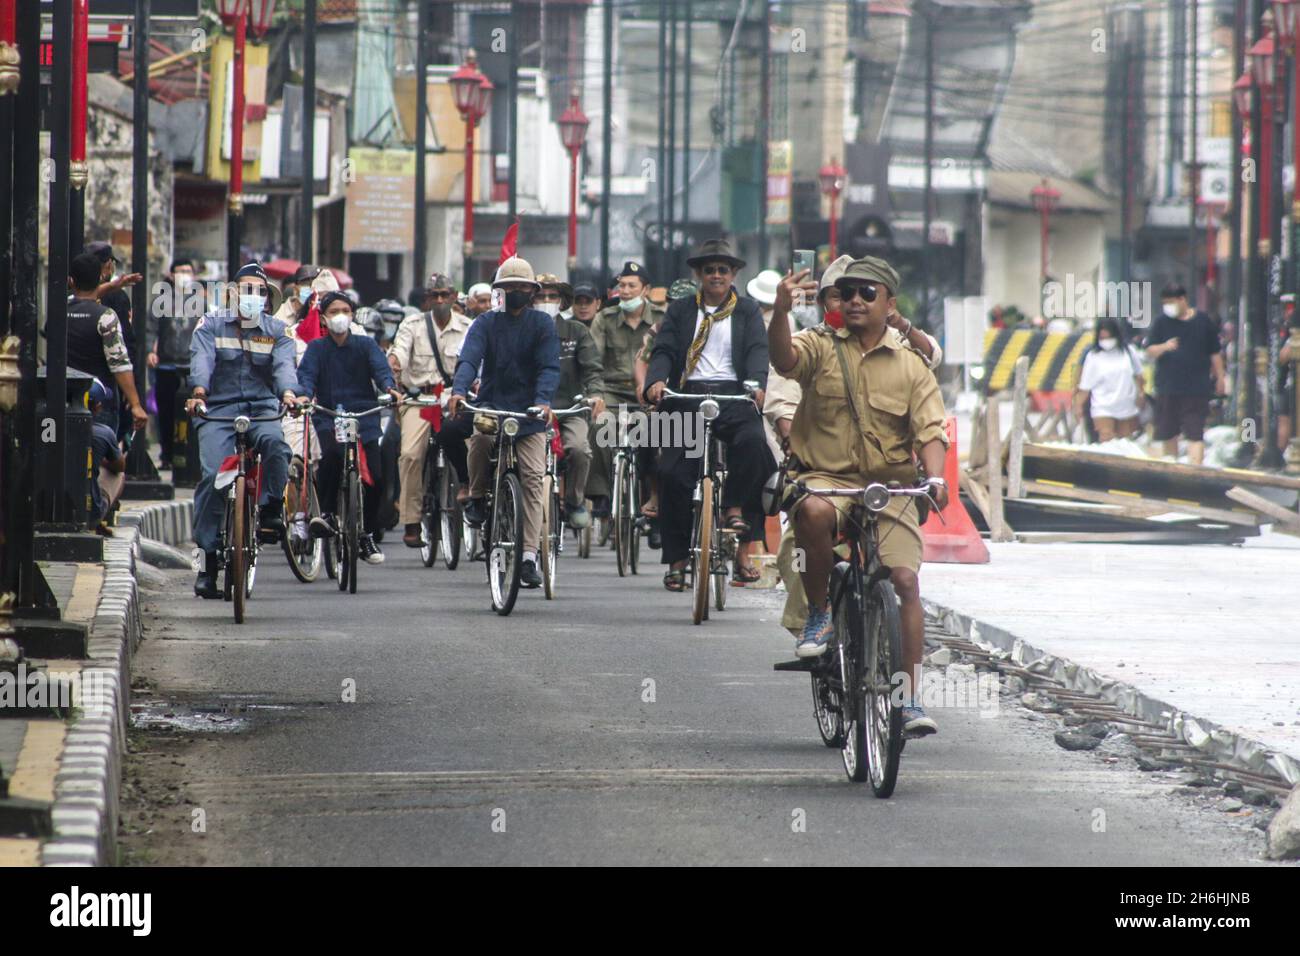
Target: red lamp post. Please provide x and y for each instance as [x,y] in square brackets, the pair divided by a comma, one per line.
[1286,21]
[1045,199]
[9,58]
[573,132]
[1262,66]
[832,177]
[472,93]
[77,169]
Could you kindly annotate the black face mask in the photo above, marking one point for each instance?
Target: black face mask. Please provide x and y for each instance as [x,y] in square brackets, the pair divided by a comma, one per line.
[517,299]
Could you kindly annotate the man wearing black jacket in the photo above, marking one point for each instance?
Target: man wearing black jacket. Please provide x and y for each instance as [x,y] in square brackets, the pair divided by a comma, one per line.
[712,342]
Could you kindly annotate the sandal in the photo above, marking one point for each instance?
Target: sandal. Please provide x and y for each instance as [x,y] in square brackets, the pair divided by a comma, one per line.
[737,524]
[745,574]
[675,580]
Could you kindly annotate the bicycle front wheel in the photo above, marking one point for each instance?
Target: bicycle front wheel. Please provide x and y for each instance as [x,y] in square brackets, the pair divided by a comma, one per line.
[431,519]
[884,659]
[450,518]
[621,518]
[849,647]
[548,553]
[703,556]
[505,544]
[239,549]
[353,528]
[305,557]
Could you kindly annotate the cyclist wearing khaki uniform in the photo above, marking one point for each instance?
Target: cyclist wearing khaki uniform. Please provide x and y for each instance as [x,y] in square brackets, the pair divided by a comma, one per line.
[868,403]
[414,358]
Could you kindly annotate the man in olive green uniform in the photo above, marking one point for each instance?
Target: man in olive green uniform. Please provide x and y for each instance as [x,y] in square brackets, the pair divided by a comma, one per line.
[619,332]
[580,374]
[868,402]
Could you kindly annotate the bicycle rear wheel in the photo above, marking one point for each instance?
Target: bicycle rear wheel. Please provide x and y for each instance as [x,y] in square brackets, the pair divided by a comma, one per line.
[339,541]
[826,709]
[634,509]
[505,544]
[584,538]
[703,556]
[431,521]
[549,550]
[305,557]
[726,548]
[353,528]
[884,659]
[450,520]
[621,518]
[850,651]
[239,550]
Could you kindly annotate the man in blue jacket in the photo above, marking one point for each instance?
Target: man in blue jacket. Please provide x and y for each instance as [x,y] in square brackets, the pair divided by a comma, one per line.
[345,369]
[241,363]
[515,353]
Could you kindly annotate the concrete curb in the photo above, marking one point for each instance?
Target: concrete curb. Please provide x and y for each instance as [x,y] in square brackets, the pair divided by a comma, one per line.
[1217,742]
[88,780]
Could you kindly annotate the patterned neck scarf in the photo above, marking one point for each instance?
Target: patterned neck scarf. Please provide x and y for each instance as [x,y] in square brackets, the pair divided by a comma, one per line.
[702,334]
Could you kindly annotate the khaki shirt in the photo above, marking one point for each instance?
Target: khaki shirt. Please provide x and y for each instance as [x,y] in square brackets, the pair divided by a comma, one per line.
[617,345]
[897,397]
[414,352]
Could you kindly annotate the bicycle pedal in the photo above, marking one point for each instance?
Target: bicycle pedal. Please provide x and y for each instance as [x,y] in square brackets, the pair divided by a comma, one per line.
[801,664]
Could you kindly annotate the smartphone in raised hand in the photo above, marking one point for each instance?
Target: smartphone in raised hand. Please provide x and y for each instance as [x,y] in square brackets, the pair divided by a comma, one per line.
[803,259]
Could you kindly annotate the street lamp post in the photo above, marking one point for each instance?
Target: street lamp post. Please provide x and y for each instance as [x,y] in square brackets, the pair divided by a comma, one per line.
[1270,76]
[1045,199]
[832,177]
[472,92]
[573,132]
[78,171]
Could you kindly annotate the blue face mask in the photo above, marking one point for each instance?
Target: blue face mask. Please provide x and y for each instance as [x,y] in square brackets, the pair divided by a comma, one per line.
[304,294]
[250,306]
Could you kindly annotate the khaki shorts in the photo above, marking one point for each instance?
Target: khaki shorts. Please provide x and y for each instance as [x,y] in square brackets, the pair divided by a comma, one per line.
[898,534]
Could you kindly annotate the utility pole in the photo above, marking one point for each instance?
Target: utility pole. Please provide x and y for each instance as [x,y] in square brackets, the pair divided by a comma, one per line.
[1193,167]
[607,138]
[307,215]
[686,126]
[56,294]
[139,466]
[1270,456]
[927,199]
[764,119]
[512,148]
[669,244]
[1254,265]
[661,157]
[1234,219]
[419,266]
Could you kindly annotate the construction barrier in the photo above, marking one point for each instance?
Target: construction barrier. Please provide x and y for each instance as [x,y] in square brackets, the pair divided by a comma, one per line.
[1054,358]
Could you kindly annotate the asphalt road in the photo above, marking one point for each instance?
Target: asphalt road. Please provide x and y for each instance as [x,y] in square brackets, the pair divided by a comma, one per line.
[535,739]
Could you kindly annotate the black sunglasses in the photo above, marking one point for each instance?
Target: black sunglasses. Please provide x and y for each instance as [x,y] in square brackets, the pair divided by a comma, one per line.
[716,270]
[849,292]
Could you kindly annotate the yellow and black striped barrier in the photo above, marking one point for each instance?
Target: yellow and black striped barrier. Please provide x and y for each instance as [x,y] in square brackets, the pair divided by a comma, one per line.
[1054,358]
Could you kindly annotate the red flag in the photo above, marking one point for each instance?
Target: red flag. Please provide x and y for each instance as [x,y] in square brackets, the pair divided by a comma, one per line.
[309,328]
[362,466]
[510,244]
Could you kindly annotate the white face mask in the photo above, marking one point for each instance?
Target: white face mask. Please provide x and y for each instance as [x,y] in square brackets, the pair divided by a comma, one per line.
[251,306]
[184,280]
[630,305]
[805,316]
[1107,344]
[339,322]
[550,308]
[1170,309]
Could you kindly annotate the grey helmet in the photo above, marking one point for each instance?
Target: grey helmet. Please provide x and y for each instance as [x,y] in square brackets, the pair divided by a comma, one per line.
[370,320]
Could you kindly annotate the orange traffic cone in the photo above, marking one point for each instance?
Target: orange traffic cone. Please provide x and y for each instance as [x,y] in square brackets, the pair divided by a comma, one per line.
[953,540]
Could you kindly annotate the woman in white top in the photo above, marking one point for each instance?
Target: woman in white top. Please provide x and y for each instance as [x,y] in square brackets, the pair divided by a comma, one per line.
[1110,385]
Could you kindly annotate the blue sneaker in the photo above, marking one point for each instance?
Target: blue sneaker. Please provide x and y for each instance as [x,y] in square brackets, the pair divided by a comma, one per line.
[917,724]
[816,634]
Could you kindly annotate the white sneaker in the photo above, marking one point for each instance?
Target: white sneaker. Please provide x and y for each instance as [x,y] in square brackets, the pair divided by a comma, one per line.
[370,552]
[298,528]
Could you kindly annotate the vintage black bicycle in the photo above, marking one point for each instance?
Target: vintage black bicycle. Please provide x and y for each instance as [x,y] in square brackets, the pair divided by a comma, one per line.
[713,546]
[240,476]
[346,541]
[554,513]
[442,520]
[305,557]
[856,683]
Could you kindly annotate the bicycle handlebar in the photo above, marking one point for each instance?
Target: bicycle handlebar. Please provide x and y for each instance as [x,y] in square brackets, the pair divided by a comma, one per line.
[530,415]
[202,412]
[875,495]
[336,414]
[747,397]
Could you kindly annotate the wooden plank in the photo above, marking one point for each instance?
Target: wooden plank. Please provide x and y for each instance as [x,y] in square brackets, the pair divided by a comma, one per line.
[1183,536]
[976,456]
[1136,507]
[1154,466]
[1289,519]
[998,530]
[1019,408]
[977,493]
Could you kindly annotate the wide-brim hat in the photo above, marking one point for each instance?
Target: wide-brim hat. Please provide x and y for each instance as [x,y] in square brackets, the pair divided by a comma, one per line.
[762,287]
[515,269]
[715,250]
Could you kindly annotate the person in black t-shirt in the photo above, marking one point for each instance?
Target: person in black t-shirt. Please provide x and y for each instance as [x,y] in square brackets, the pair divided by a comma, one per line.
[1184,345]
[95,344]
[109,462]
